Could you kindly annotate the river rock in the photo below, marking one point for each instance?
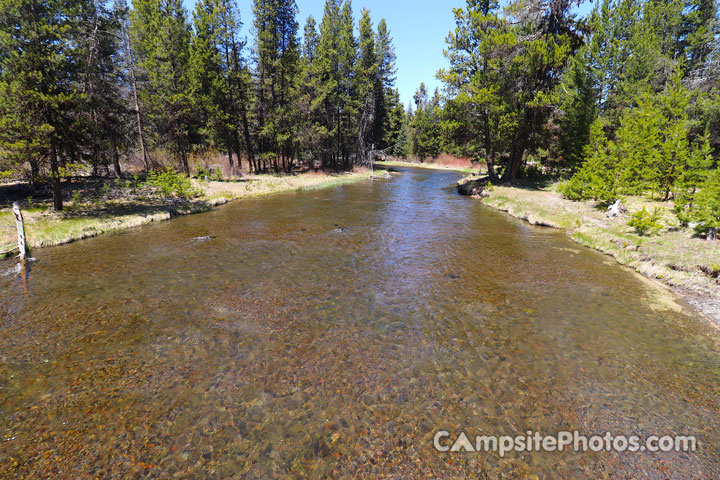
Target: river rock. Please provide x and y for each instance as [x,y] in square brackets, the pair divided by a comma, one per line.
[473,187]
[616,209]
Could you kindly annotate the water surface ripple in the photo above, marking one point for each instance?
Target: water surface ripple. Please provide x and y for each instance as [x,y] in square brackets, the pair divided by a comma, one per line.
[331,333]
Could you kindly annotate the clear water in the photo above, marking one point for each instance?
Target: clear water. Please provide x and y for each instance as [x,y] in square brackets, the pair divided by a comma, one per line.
[332,333]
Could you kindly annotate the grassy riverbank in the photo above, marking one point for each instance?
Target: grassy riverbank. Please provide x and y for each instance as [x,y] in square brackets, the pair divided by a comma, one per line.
[118,210]
[676,257]
[434,166]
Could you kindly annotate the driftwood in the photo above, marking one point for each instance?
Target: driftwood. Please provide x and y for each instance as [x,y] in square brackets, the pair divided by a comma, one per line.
[20,229]
[617,209]
[473,187]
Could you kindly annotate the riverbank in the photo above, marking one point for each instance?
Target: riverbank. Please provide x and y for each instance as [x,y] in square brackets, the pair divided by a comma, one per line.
[429,165]
[121,207]
[675,257]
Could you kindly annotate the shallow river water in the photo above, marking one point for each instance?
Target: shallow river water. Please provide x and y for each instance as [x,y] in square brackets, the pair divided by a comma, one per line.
[332,333]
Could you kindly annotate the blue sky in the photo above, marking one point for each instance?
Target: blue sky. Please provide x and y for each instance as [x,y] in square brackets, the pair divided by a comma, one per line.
[418,27]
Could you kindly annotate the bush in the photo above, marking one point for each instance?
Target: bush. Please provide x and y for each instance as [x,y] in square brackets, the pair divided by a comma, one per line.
[574,189]
[706,212]
[645,222]
[170,183]
[215,174]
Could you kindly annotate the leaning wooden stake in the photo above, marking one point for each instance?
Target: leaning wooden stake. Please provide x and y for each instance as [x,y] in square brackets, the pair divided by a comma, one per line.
[20,229]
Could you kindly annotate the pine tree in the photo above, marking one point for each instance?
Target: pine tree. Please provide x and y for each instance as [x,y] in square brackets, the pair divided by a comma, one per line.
[161,39]
[401,147]
[692,179]
[478,81]
[707,209]
[388,109]
[220,78]
[277,55]
[310,39]
[425,132]
[334,69]
[394,121]
[41,69]
[580,109]
[366,82]
[308,105]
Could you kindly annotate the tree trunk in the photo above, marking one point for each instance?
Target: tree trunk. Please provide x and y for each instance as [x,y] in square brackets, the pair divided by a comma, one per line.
[510,173]
[116,162]
[136,103]
[183,155]
[55,178]
[230,157]
[34,171]
[492,174]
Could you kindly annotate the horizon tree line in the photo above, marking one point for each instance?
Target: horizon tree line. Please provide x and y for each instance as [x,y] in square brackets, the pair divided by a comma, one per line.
[623,102]
[84,85]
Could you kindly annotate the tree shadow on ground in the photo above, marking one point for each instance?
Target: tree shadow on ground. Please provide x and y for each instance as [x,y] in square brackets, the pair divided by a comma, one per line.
[536,183]
[173,206]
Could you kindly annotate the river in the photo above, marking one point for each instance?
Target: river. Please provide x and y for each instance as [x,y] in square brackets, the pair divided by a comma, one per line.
[333,333]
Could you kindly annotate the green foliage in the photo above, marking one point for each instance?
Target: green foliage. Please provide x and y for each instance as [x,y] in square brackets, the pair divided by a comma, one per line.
[652,151]
[579,107]
[59,92]
[425,126]
[277,55]
[597,178]
[574,189]
[161,40]
[645,222]
[76,197]
[170,183]
[504,70]
[707,209]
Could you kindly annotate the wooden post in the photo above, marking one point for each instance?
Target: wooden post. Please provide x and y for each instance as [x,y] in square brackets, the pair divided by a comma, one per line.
[20,229]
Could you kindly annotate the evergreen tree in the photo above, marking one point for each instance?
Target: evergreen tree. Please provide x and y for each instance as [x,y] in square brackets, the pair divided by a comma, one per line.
[394,121]
[334,68]
[707,209]
[579,108]
[388,109]
[692,179]
[220,78]
[366,81]
[43,86]
[161,40]
[277,55]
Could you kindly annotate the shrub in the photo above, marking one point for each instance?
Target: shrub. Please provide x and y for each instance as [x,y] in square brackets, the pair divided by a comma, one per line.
[645,222]
[574,189]
[707,209]
[76,197]
[170,183]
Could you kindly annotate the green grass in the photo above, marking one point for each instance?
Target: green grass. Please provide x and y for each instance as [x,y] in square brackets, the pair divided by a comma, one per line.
[433,166]
[675,256]
[88,219]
